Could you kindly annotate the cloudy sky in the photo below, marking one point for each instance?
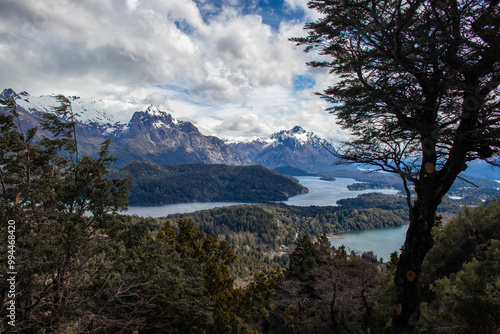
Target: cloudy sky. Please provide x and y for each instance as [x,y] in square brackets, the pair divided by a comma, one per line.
[225,65]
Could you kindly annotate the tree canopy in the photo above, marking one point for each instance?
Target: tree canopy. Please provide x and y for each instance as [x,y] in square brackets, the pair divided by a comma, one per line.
[418,89]
[414,76]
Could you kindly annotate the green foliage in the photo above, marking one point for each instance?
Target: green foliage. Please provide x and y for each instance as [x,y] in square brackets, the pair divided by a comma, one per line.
[257,232]
[467,301]
[460,240]
[374,200]
[303,259]
[157,185]
[60,203]
[351,215]
[83,268]
[463,271]
[417,88]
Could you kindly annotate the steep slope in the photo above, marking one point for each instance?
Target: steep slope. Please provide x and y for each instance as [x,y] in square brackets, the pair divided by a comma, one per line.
[155,136]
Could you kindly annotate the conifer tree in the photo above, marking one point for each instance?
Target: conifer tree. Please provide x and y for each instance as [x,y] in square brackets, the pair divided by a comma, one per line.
[61,204]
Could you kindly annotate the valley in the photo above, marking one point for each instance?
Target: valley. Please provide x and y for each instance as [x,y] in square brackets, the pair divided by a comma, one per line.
[250,167]
[153,136]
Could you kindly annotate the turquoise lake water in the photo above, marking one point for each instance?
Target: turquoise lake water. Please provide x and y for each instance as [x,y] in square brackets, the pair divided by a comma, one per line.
[382,241]
[322,193]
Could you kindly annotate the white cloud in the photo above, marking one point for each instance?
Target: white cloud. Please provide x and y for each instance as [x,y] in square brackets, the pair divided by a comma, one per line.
[138,52]
[311,14]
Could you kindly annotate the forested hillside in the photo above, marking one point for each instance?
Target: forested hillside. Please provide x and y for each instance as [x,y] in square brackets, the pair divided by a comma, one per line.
[168,184]
[262,234]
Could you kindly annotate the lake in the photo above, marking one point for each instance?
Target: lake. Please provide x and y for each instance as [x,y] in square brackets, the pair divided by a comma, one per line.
[382,241]
[164,210]
[325,193]
[321,193]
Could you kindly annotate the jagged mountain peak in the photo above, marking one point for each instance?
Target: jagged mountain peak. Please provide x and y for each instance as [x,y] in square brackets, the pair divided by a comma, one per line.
[154,116]
[153,110]
[298,129]
[9,92]
[297,135]
[295,148]
[150,134]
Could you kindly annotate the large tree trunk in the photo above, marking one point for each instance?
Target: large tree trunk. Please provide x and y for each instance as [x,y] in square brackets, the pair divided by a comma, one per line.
[430,188]
[407,279]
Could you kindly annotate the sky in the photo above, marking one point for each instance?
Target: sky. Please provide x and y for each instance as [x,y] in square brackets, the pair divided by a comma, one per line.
[225,65]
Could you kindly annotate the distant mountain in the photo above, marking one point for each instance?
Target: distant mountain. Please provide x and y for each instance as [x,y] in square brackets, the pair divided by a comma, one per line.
[249,148]
[151,135]
[291,171]
[168,184]
[481,169]
[155,136]
[295,148]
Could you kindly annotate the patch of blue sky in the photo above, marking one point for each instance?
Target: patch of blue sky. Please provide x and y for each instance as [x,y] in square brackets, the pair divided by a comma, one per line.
[177,88]
[273,12]
[303,81]
[184,27]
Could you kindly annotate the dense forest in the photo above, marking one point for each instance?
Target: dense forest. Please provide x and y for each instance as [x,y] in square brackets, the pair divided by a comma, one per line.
[263,235]
[169,184]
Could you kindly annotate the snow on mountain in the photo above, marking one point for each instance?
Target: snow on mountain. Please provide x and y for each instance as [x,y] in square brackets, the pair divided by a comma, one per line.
[295,148]
[151,135]
[85,110]
[298,136]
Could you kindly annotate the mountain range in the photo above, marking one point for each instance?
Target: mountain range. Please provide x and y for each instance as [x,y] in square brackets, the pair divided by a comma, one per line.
[150,135]
[295,148]
[154,135]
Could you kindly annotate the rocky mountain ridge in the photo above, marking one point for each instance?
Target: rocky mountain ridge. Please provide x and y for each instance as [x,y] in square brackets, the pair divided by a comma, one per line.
[151,135]
[296,148]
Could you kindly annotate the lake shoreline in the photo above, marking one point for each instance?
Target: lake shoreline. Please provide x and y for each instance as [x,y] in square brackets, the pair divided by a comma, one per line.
[334,236]
[320,193]
[381,240]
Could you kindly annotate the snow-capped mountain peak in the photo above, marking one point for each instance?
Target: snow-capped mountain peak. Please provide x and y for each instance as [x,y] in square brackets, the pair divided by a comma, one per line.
[152,110]
[150,134]
[85,110]
[297,135]
[296,148]
[158,118]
